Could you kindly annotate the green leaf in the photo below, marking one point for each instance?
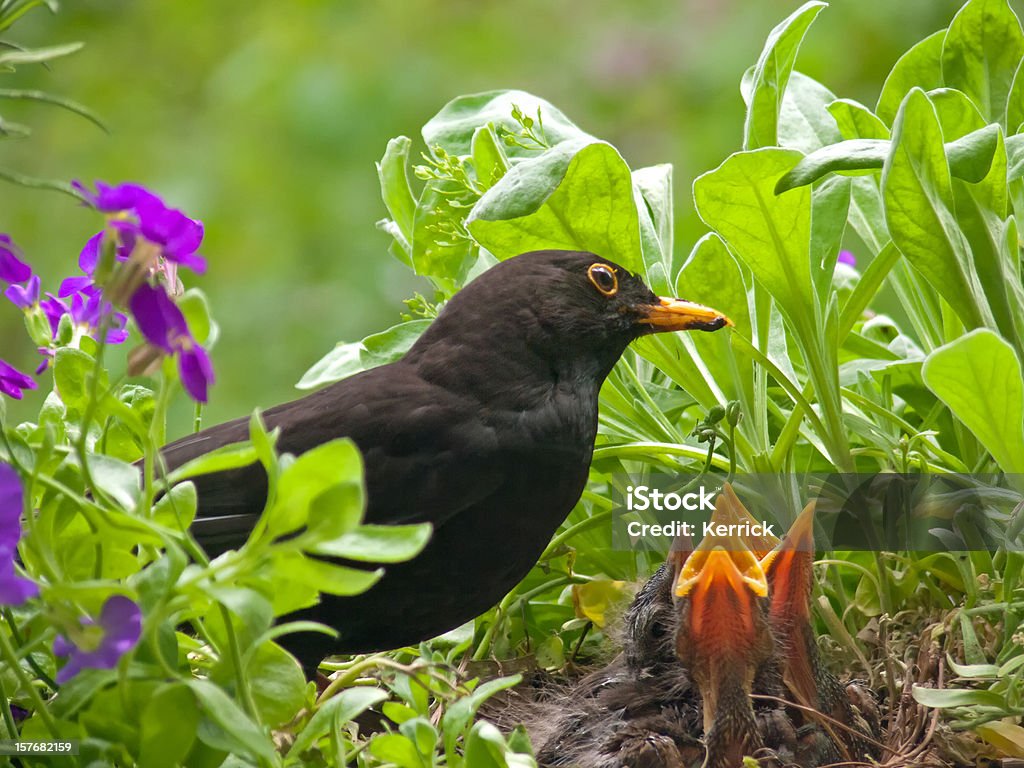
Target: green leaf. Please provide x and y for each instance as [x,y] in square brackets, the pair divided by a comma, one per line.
[770,76]
[397,194]
[769,233]
[1007,737]
[196,308]
[72,371]
[232,729]
[321,575]
[231,456]
[489,160]
[57,101]
[378,543]
[856,121]
[851,156]
[978,377]
[920,67]
[655,186]
[575,196]
[317,470]
[117,479]
[958,115]
[981,53]
[461,712]
[396,749]
[454,126]
[9,59]
[805,122]
[168,726]
[377,349]
[345,706]
[969,157]
[278,685]
[485,747]
[919,207]
[953,697]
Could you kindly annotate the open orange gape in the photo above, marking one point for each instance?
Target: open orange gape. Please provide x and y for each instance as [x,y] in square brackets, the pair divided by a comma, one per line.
[744,629]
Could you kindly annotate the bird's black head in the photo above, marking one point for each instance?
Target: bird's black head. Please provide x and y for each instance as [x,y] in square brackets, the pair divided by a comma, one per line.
[562,307]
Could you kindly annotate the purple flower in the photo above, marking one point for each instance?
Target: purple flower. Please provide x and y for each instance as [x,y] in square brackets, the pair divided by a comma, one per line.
[14,589]
[163,325]
[12,269]
[109,199]
[13,381]
[847,258]
[143,214]
[87,310]
[104,642]
[26,296]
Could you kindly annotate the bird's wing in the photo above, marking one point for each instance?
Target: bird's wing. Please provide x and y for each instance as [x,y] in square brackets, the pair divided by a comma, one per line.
[428,453]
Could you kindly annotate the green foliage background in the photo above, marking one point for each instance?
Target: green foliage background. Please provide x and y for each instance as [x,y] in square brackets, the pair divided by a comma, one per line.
[265,119]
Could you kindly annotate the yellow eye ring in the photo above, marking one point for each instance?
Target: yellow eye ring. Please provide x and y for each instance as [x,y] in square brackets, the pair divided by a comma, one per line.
[604,279]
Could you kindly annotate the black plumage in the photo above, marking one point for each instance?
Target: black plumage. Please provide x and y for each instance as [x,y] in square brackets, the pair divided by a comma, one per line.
[485,429]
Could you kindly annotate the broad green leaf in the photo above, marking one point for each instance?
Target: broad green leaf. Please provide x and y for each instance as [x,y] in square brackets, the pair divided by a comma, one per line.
[918,199]
[769,233]
[278,685]
[805,122]
[981,53]
[396,749]
[378,543]
[711,276]
[576,197]
[453,127]
[72,373]
[232,729]
[958,115]
[856,121]
[317,470]
[1015,102]
[335,512]
[978,376]
[770,76]
[485,747]
[920,67]
[377,349]
[397,195]
[117,479]
[168,726]
[345,706]
[654,184]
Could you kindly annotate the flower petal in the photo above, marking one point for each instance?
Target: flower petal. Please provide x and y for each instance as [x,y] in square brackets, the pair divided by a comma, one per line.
[157,317]
[196,371]
[12,269]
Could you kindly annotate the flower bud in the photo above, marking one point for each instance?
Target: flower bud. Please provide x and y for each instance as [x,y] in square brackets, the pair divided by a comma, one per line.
[733,414]
[65,330]
[715,414]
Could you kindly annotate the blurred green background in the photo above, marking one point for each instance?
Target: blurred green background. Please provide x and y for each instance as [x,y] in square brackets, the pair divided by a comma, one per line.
[264,119]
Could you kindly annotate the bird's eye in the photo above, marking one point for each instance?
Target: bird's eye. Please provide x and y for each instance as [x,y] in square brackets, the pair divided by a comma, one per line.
[604,279]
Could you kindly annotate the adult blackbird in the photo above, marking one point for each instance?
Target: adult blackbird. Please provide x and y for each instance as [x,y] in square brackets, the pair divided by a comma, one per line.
[485,428]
